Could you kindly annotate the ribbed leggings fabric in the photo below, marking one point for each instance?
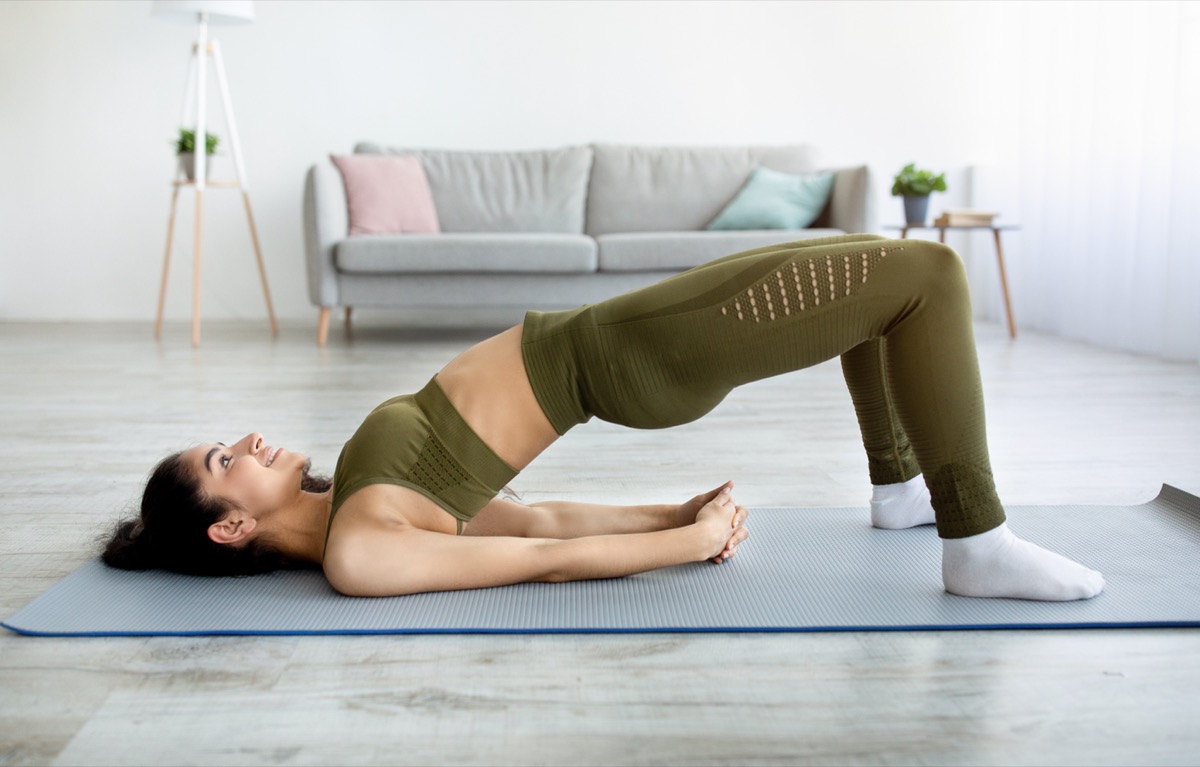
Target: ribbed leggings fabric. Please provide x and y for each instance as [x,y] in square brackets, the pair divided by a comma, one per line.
[897,312]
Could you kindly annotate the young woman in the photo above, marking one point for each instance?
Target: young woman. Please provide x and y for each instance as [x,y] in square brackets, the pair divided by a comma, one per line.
[413,503]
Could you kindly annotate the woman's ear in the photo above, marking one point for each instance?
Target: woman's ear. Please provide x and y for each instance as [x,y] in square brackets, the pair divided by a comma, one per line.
[235,527]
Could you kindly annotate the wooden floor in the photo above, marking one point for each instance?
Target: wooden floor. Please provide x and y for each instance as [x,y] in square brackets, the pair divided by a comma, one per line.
[85,410]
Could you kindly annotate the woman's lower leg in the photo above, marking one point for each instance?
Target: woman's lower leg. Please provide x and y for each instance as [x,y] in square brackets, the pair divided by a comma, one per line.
[933,375]
[899,497]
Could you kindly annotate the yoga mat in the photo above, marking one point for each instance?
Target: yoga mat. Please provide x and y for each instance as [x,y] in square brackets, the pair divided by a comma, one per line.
[801,570]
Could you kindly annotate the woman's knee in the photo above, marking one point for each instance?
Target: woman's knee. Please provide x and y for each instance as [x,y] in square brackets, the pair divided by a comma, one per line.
[938,266]
[938,258]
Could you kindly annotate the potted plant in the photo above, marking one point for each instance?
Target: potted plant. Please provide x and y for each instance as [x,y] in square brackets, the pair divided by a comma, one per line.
[916,186]
[185,147]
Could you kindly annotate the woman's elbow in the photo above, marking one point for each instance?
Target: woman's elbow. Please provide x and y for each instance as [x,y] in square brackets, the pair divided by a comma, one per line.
[342,578]
[354,580]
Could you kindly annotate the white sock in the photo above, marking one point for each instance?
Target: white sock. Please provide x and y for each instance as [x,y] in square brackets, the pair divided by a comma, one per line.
[901,505]
[999,564]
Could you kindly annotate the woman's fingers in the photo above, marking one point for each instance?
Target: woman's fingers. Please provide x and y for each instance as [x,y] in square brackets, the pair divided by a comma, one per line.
[686,512]
[731,545]
[741,514]
[720,488]
[741,535]
[724,500]
[724,511]
[714,493]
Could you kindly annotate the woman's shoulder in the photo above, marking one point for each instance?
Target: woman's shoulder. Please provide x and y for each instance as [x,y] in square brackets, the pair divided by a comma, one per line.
[359,534]
[385,506]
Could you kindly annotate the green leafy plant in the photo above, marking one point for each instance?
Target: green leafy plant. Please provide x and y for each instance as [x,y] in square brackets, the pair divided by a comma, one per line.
[911,182]
[186,143]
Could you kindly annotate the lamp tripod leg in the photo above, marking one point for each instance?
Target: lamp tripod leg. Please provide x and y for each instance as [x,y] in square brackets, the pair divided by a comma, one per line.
[240,170]
[162,292]
[196,268]
[262,272]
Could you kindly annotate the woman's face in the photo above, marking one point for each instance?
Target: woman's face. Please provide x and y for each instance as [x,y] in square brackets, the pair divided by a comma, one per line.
[250,474]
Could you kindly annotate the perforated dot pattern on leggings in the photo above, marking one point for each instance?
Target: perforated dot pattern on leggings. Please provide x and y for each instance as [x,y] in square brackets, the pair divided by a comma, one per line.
[803,284]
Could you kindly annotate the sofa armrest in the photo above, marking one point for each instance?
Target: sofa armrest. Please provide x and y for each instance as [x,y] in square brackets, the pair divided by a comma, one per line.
[851,205]
[326,223]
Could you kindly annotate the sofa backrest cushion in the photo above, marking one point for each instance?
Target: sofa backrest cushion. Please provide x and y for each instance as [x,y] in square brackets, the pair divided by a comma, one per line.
[386,194]
[537,191]
[668,189]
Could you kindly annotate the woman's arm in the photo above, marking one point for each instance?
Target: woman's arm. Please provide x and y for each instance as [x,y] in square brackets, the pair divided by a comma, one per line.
[567,519]
[402,560]
[570,519]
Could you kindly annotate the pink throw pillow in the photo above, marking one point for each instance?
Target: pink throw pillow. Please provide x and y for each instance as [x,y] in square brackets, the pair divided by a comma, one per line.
[387,194]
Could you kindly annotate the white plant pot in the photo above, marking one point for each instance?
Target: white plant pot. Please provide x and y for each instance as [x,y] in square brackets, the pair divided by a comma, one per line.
[187,163]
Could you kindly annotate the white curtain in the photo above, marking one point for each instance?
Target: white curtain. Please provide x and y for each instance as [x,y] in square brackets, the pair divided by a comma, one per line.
[1108,173]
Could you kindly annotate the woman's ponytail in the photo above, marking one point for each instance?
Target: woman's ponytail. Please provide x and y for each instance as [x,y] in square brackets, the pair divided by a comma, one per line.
[128,547]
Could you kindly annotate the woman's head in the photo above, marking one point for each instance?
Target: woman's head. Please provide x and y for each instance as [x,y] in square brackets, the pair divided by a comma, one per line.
[201,510]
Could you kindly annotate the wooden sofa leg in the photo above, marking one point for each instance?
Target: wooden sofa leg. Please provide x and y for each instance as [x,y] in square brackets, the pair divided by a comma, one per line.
[346,321]
[323,325]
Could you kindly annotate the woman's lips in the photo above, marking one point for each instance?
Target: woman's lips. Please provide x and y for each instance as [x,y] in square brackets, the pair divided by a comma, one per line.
[272,454]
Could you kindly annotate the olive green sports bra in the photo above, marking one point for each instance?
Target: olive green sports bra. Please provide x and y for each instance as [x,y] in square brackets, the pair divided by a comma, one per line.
[421,442]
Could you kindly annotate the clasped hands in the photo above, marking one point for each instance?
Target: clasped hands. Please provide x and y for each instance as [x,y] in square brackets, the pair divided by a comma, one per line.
[723,520]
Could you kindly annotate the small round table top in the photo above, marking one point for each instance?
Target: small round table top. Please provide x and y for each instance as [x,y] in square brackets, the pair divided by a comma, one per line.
[994,227]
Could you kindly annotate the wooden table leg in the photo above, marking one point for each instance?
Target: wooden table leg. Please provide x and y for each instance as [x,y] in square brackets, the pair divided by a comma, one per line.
[162,291]
[1012,328]
[196,268]
[323,325]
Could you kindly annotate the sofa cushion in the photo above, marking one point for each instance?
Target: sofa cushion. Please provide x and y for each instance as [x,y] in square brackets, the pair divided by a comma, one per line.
[538,191]
[774,200]
[658,251]
[671,189]
[386,195]
[467,252]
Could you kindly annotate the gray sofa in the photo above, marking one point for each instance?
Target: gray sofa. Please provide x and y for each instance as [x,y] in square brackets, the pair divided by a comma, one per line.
[550,229]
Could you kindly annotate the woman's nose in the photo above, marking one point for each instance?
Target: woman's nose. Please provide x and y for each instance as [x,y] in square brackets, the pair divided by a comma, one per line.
[253,442]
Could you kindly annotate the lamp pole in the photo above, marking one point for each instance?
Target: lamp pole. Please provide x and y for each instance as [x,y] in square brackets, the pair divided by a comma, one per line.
[200,162]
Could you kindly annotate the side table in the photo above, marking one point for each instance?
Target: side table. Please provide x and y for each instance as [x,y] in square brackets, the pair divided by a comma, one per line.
[995,230]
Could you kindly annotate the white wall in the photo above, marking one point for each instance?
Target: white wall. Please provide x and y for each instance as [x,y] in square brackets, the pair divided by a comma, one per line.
[91,95]
[1027,106]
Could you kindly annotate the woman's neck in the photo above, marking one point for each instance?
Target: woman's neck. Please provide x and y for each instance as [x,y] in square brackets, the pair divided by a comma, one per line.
[299,533]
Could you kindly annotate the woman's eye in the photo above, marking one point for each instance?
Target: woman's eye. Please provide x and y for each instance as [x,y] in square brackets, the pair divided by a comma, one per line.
[225,461]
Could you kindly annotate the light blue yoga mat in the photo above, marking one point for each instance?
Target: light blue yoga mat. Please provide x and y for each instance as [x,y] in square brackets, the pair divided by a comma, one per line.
[801,570]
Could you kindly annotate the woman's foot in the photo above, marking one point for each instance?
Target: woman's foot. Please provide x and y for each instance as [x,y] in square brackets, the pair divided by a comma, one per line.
[901,505]
[999,564]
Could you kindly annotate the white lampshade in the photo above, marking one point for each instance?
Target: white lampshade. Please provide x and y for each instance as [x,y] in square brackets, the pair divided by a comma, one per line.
[219,11]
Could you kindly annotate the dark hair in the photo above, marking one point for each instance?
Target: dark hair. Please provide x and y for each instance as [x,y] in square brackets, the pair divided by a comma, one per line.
[171,533]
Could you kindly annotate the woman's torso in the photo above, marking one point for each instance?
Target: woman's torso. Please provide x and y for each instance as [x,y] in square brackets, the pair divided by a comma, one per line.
[488,387]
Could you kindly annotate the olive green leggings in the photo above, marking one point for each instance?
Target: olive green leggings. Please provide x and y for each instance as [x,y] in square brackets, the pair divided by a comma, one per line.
[896,311]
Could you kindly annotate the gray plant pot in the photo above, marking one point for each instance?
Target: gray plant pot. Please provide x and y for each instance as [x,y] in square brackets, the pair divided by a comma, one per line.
[187,163]
[916,208]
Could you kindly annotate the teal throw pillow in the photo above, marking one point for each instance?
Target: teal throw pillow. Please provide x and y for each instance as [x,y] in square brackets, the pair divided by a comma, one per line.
[774,200]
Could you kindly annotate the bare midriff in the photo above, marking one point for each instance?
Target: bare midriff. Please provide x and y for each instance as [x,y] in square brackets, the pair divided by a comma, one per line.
[488,386]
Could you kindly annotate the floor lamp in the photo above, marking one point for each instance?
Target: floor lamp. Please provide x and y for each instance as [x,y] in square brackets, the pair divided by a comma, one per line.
[205,12]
